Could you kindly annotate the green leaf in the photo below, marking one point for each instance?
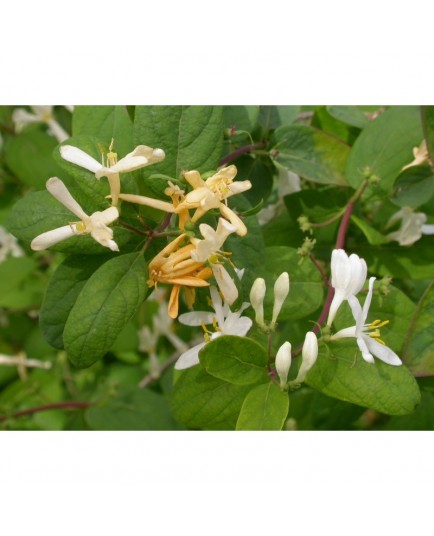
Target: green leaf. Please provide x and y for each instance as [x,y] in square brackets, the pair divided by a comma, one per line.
[413,187]
[306,286]
[201,401]
[240,117]
[374,237]
[12,272]
[312,154]
[132,409]
[385,146]
[260,172]
[428,128]
[385,388]
[236,360]
[29,156]
[265,408]
[62,292]
[191,136]
[271,117]
[106,303]
[351,115]
[323,120]
[105,123]
[39,212]
[419,348]
[421,419]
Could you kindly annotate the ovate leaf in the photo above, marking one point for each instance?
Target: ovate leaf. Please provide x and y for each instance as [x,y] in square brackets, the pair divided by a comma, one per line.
[265,408]
[237,360]
[106,303]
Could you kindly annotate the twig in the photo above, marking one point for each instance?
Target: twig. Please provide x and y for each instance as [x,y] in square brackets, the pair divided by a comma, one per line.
[46,407]
[320,270]
[240,151]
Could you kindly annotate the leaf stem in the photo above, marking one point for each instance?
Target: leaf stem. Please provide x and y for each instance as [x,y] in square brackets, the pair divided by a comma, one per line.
[240,151]
[46,407]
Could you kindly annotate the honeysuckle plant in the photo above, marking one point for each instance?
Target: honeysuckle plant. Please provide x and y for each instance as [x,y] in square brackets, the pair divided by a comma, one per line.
[232,273]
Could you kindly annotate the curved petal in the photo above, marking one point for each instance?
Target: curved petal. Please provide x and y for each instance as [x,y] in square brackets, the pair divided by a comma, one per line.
[48,239]
[196,318]
[58,132]
[340,268]
[225,283]
[343,333]
[107,216]
[230,215]
[382,352]
[193,177]
[366,305]
[190,358]
[238,187]
[338,298]
[148,201]
[224,229]
[22,118]
[366,354]
[80,158]
[428,229]
[359,271]
[217,306]
[58,190]
[234,325]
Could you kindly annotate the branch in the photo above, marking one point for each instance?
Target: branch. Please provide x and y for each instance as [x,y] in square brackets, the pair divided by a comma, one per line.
[240,151]
[46,407]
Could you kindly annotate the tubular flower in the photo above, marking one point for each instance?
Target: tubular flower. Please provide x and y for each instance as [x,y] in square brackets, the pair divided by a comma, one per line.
[41,114]
[223,321]
[174,266]
[309,355]
[348,277]
[281,290]
[257,295]
[95,224]
[213,193]
[412,226]
[420,154]
[283,363]
[209,250]
[178,196]
[110,167]
[368,335]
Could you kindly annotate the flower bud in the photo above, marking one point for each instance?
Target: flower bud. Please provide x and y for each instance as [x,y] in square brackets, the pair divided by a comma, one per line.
[283,363]
[257,294]
[309,356]
[281,289]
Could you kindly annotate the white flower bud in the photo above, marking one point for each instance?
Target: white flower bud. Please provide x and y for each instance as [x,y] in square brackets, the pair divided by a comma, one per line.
[309,356]
[283,363]
[281,290]
[257,295]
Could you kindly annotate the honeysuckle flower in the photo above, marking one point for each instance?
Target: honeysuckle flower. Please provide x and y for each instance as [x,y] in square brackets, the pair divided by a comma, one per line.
[257,295]
[309,355]
[22,363]
[348,277]
[110,167]
[223,321]
[95,224]
[213,193]
[177,195]
[412,226]
[281,290]
[209,250]
[283,363]
[368,335]
[41,114]
[174,266]
[8,245]
[420,154]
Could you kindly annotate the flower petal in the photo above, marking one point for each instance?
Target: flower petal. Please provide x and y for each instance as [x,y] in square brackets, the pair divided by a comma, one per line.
[340,268]
[147,201]
[80,158]
[382,352]
[234,325]
[196,318]
[225,283]
[58,190]
[230,215]
[190,358]
[58,132]
[48,239]
[359,271]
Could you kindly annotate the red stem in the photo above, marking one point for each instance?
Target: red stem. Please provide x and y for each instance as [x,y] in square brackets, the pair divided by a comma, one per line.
[46,407]
[242,150]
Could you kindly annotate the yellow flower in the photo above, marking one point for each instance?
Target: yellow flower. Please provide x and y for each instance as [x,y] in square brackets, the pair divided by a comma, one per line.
[213,193]
[174,266]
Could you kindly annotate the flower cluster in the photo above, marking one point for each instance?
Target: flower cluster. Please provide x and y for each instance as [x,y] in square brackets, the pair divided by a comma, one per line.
[188,261]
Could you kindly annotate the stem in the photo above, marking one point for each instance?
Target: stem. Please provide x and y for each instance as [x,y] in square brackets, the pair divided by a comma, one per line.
[46,407]
[240,151]
[320,270]
[329,221]
[134,229]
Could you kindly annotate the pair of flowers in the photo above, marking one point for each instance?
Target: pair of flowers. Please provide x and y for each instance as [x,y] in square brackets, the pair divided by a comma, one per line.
[349,275]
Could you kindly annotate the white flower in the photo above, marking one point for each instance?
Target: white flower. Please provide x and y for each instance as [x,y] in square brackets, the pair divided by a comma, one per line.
[8,245]
[41,114]
[222,319]
[22,363]
[281,290]
[213,193]
[420,154]
[209,250]
[309,356]
[141,156]
[95,224]
[368,335]
[412,226]
[257,295]
[283,363]
[348,277]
